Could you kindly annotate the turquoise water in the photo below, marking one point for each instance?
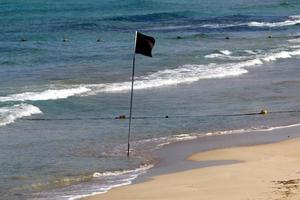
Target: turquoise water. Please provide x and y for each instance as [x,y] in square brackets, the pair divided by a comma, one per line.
[60,89]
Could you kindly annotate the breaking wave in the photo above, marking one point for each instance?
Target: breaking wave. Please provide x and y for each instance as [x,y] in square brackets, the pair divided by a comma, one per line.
[9,114]
[51,94]
[226,55]
[292,20]
[188,73]
[295,40]
[222,53]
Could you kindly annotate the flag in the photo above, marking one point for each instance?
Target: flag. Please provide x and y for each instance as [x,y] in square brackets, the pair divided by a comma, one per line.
[144,44]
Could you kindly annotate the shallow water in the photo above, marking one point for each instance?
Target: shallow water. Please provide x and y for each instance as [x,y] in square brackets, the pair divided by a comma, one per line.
[76,88]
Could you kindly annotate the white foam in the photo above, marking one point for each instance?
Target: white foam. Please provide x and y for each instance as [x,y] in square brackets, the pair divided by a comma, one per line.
[293,20]
[295,46]
[9,114]
[251,52]
[226,52]
[219,25]
[226,55]
[280,55]
[296,40]
[127,177]
[184,74]
[50,94]
[121,172]
[221,53]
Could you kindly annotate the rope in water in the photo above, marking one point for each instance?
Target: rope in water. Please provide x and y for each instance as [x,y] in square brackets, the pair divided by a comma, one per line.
[124,117]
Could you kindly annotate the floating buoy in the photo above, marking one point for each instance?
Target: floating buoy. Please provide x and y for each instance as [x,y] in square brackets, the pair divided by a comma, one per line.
[121,117]
[263,112]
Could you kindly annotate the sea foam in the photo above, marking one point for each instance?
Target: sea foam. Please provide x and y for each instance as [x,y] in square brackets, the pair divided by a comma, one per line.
[290,21]
[50,94]
[184,74]
[9,114]
[293,20]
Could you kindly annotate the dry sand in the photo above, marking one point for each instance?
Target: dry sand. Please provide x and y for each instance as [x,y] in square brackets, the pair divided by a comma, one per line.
[270,171]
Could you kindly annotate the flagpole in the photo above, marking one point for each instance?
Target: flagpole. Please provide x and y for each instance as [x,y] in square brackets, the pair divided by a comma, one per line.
[131,97]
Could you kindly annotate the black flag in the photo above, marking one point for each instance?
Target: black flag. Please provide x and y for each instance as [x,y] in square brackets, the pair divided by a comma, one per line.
[144,44]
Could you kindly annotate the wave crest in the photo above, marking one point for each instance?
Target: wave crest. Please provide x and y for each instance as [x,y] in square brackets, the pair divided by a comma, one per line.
[46,95]
[293,20]
[188,73]
[9,114]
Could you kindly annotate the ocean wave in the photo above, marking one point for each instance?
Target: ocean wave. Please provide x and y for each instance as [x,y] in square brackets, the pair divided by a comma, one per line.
[9,114]
[296,40]
[219,26]
[226,54]
[50,94]
[291,21]
[220,53]
[192,73]
[238,22]
[184,74]
[253,52]
[219,23]
[121,172]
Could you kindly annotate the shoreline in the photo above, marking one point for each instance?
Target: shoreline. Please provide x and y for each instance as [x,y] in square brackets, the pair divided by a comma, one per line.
[173,156]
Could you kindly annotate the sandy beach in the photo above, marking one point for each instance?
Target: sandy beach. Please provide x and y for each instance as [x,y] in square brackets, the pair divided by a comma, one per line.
[268,171]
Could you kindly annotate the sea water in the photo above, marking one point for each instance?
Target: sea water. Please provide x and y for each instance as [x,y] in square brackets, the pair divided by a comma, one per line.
[65,72]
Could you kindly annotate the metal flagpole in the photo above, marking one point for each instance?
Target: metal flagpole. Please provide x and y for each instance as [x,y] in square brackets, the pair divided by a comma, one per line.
[131,97]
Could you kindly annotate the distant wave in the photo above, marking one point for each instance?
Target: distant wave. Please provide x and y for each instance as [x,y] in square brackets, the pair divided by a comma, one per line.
[227,55]
[9,114]
[188,73]
[224,54]
[252,52]
[293,20]
[226,22]
[290,21]
[46,95]
[192,73]
[295,40]
[219,26]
